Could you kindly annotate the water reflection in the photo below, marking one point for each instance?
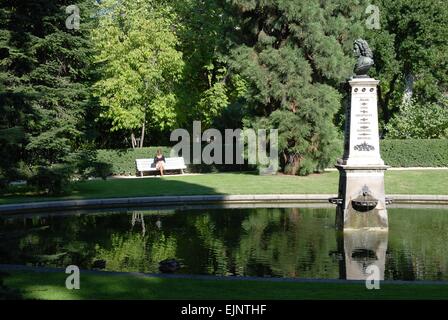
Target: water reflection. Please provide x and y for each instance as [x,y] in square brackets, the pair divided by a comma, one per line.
[293,242]
[363,249]
[159,223]
[137,217]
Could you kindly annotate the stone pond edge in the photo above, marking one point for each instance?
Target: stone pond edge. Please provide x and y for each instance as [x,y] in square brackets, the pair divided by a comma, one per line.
[202,199]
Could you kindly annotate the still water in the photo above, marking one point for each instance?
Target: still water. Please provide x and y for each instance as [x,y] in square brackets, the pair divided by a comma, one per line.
[290,242]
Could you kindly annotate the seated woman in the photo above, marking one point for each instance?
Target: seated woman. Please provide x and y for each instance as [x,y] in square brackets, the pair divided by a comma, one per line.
[159,161]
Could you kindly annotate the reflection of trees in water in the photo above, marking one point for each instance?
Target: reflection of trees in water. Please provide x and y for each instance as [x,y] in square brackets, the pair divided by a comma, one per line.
[218,259]
[60,241]
[417,245]
[270,241]
[47,241]
[254,241]
[138,251]
[291,243]
[282,242]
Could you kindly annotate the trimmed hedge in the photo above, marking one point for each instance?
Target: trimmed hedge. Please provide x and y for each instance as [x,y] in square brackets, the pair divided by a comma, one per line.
[415,152]
[405,153]
[123,161]
[396,153]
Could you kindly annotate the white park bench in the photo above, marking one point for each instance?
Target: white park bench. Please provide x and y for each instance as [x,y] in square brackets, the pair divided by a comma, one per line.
[147,165]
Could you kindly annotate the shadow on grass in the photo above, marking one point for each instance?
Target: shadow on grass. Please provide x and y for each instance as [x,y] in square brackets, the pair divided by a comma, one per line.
[115,188]
[145,187]
[36,285]
[7,293]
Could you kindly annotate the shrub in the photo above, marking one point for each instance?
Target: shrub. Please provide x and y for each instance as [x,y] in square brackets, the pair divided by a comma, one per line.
[101,169]
[415,152]
[3,182]
[87,165]
[54,180]
[8,293]
[122,162]
[419,121]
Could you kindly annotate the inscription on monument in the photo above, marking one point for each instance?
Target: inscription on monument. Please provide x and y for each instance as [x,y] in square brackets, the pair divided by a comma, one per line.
[363,129]
[361,132]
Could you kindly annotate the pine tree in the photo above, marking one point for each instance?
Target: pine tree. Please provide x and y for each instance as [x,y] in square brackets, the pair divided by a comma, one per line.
[45,89]
[294,55]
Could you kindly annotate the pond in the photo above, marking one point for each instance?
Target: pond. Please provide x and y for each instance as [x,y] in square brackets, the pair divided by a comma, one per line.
[280,242]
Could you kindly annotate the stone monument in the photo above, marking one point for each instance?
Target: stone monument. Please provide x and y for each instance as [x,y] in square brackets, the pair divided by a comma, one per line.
[361,203]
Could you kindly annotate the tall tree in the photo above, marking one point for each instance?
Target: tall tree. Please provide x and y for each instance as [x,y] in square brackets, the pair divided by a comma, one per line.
[294,55]
[411,53]
[44,83]
[136,49]
[207,89]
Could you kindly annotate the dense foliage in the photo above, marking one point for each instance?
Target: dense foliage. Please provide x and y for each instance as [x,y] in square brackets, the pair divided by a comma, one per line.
[136,53]
[44,88]
[411,53]
[135,70]
[294,55]
[418,120]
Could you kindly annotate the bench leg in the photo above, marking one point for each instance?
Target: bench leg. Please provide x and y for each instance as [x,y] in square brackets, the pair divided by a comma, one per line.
[182,171]
[141,174]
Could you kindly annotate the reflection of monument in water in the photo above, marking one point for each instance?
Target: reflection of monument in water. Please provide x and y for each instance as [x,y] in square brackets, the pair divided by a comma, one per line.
[361,202]
[361,250]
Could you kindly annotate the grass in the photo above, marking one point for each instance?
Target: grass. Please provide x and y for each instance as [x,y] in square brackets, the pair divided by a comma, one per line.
[50,286]
[397,182]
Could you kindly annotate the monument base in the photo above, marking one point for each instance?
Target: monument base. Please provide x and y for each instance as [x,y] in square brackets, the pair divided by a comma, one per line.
[362,200]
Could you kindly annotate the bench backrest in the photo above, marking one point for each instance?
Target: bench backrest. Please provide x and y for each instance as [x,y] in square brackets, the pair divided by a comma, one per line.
[144,164]
[171,163]
[175,163]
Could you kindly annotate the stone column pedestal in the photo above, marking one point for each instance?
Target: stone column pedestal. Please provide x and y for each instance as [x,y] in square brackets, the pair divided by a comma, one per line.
[353,181]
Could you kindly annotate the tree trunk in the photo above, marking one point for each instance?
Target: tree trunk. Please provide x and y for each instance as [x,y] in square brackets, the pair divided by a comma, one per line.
[382,104]
[142,137]
[295,166]
[133,141]
[409,88]
[388,111]
[294,163]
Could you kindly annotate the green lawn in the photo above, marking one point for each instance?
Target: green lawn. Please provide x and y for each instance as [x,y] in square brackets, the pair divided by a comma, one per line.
[397,182]
[34,285]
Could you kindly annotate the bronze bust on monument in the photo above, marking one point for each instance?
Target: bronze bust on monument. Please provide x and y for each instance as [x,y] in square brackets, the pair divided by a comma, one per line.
[365,57]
